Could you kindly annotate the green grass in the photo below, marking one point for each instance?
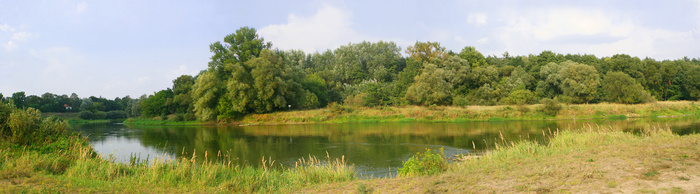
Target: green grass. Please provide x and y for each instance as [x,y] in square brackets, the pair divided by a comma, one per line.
[472,113]
[39,155]
[143,121]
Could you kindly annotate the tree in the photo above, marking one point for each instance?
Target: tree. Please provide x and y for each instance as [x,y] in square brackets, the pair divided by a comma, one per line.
[621,88]
[475,58]
[158,104]
[426,51]
[182,86]
[205,92]
[692,82]
[579,82]
[430,87]
[238,47]
[317,86]
[19,99]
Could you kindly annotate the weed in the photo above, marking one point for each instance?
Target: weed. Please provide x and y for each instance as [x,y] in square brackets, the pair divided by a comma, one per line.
[428,163]
[683,178]
[651,174]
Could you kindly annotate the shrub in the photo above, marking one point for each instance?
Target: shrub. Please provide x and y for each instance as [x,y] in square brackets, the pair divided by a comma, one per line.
[26,127]
[115,114]
[428,163]
[100,115]
[337,109]
[189,117]
[550,107]
[87,115]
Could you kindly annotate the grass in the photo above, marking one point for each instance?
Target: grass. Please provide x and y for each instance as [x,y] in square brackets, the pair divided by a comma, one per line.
[41,155]
[587,160]
[349,114]
[78,169]
[146,121]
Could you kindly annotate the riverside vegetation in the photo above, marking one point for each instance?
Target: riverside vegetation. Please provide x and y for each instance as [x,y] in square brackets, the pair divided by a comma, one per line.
[43,155]
[579,160]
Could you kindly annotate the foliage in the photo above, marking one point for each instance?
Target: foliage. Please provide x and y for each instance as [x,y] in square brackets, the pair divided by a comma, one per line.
[579,82]
[550,107]
[427,163]
[430,87]
[25,127]
[621,88]
[520,97]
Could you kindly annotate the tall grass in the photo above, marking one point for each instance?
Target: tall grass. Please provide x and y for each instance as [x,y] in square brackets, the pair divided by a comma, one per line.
[36,149]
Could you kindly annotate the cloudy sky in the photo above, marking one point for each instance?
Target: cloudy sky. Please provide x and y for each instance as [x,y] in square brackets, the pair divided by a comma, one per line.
[118,48]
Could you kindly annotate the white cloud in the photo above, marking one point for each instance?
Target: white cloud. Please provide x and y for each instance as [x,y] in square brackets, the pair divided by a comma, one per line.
[22,36]
[80,8]
[483,40]
[10,46]
[578,30]
[329,28]
[6,28]
[477,19]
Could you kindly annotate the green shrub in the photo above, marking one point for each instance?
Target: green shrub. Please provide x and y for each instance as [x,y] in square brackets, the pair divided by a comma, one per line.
[428,163]
[25,127]
[550,107]
[86,115]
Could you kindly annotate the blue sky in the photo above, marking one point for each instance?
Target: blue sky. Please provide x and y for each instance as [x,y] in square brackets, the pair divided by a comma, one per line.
[118,48]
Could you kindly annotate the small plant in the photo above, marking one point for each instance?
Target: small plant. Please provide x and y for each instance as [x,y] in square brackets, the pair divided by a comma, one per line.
[651,174]
[362,188]
[683,178]
[428,163]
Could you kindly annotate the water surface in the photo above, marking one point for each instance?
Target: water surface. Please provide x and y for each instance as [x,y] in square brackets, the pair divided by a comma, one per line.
[375,149]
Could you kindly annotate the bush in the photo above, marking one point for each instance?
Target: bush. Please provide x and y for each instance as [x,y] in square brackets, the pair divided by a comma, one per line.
[175,117]
[337,109]
[100,115]
[550,107]
[428,163]
[86,115]
[25,127]
[189,117]
[115,114]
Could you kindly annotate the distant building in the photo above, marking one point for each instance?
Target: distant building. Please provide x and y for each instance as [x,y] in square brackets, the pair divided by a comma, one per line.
[67,107]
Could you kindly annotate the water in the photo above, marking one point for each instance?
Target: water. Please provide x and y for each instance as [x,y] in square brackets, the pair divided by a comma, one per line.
[375,149]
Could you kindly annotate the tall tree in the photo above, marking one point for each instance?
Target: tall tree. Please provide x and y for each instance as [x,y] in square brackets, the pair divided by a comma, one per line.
[474,57]
[579,82]
[426,51]
[621,88]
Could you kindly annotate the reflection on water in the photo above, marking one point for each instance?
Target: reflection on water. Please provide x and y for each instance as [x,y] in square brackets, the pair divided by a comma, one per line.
[376,149]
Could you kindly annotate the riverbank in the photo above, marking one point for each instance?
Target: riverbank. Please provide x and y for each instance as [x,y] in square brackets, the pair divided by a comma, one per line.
[580,161]
[347,114]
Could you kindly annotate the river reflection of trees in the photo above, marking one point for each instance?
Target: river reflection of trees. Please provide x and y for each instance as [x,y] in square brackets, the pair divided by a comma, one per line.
[384,144]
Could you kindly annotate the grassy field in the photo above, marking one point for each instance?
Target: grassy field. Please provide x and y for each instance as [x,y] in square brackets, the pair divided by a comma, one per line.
[580,161]
[345,114]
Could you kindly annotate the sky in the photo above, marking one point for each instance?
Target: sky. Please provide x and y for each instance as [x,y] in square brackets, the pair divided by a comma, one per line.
[132,47]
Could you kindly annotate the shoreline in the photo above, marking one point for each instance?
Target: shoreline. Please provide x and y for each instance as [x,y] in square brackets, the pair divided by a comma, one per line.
[500,113]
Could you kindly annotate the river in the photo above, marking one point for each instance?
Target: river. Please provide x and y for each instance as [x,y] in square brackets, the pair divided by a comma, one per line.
[375,149]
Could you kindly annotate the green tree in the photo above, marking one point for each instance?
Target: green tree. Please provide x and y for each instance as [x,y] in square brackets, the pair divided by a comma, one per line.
[692,82]
[621,88]
[182,87]
[430,87]
[317,86]
[158,104]
[19,99]
[238,47]
[205,93]
[475,58]
[579,82]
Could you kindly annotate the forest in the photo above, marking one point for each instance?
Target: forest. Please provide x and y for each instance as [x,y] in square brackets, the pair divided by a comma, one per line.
[246,75]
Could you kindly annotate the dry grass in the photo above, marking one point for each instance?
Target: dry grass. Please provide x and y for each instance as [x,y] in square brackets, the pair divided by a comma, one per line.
[588,161]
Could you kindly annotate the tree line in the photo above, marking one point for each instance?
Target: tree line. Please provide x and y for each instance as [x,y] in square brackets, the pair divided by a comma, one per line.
[89,108]
[245,75]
